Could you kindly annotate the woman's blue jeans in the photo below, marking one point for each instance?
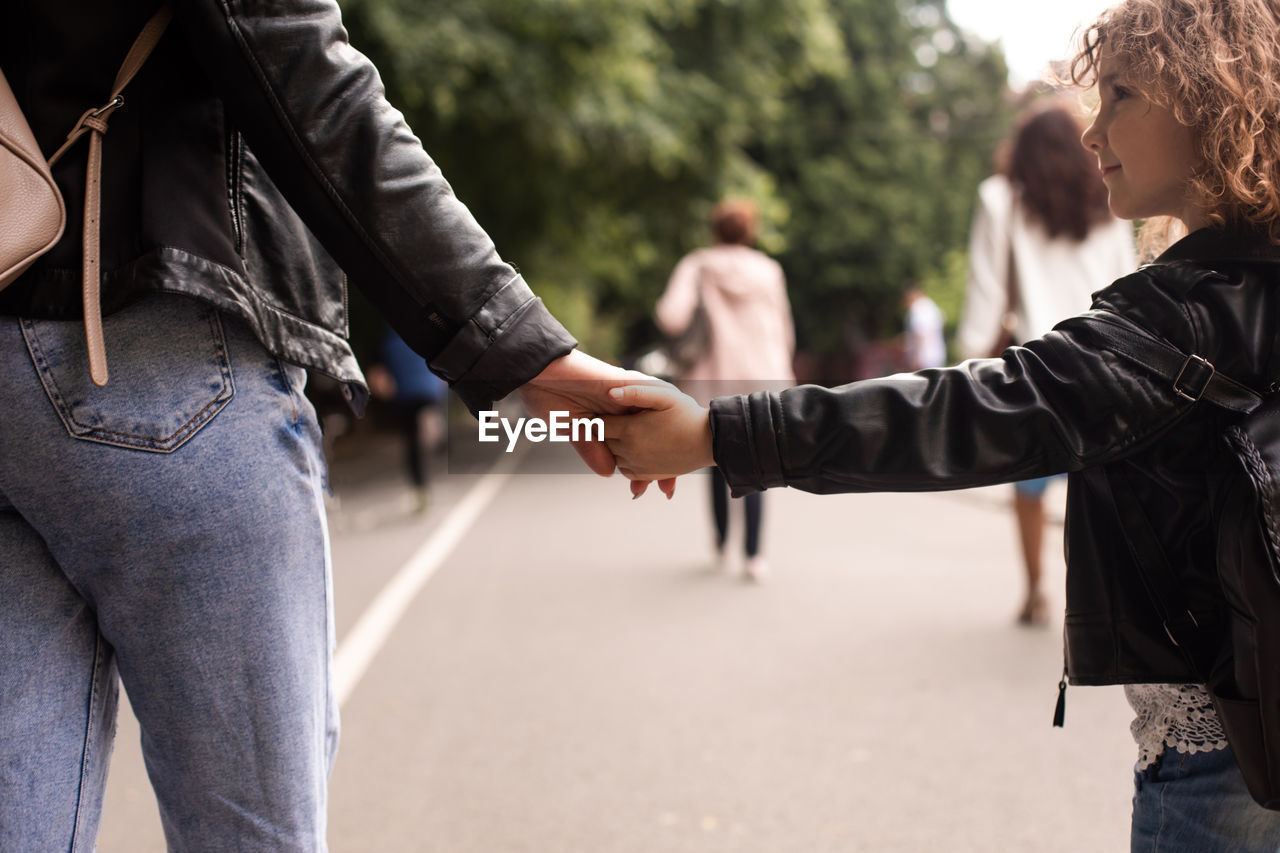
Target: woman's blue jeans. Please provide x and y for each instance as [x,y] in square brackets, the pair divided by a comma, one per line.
[168,527]
[1199,804]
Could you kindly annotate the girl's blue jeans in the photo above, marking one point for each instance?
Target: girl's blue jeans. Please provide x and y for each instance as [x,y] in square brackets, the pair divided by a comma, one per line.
[1199,804]
[169,528]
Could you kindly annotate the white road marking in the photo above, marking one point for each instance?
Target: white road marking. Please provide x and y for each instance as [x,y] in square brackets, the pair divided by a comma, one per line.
[367,637]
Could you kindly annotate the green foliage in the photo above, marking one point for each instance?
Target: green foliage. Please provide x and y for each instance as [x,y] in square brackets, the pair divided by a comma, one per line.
[879,166]
[591,139]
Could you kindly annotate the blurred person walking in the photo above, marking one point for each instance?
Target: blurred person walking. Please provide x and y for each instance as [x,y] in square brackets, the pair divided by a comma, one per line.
[401,378]
[741,295]
[923,343]
[1042,240]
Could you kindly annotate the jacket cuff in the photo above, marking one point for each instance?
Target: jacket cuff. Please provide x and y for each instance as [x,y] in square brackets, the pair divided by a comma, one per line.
[505,343]
[744,443]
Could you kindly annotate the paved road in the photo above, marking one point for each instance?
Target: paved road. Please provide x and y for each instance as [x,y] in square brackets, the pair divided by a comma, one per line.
[575,678]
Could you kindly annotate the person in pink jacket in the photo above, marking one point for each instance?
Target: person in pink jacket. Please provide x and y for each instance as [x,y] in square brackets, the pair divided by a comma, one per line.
[743,294]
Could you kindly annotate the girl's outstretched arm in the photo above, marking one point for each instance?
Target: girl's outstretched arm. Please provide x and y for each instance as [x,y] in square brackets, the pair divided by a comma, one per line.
[668,433]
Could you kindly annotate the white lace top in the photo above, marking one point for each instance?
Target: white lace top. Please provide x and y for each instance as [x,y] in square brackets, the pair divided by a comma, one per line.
[1176,715]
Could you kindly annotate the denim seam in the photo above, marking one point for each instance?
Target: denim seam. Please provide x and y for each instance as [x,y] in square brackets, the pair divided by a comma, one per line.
[329,703]
[1160,823]
[89,733]
[288,386]
[41,364]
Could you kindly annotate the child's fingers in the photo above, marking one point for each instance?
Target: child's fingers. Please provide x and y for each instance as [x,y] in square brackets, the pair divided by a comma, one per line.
[623,431]
[638,472]
[615,428]
[599,457]
[624,453]
[646,396]
[639,487]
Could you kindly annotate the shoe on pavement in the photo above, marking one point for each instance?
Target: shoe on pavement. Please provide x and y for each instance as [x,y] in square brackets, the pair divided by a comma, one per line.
[755,569]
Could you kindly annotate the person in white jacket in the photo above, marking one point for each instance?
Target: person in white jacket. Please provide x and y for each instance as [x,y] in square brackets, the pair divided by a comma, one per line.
[1041,243]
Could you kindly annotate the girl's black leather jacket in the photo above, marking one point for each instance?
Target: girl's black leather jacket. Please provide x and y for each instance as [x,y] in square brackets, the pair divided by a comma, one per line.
[253,136]
[1062,403]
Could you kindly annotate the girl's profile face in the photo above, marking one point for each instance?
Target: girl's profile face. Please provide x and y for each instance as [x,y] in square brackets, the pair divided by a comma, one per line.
[1146,156]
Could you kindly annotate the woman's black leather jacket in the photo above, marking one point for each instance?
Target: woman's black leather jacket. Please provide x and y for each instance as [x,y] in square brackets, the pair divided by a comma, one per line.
[1064,402]
[253,136]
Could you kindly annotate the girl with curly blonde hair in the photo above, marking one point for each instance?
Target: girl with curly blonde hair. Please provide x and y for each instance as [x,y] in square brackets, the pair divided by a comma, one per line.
[1215,68]
[1187,135]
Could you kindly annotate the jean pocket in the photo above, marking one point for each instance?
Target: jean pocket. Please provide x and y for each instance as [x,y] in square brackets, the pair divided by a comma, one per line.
[170,373]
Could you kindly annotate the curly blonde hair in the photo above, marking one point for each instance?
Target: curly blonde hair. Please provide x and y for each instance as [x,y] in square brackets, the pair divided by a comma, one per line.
[1217,67]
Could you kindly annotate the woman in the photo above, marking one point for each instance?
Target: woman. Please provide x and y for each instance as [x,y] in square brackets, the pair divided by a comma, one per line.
[743,296]
[169,525]
[1042,240]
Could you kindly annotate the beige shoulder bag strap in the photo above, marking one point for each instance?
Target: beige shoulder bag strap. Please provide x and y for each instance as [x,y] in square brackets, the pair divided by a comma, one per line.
[94,123]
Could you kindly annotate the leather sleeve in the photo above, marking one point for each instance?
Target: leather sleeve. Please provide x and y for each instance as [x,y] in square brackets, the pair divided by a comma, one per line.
[1060,403]
[314,111]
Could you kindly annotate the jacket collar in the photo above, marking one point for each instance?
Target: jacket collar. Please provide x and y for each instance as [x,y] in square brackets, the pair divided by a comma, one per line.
[1209,244]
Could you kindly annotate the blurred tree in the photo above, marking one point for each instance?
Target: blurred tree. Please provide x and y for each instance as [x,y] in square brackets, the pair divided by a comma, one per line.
[591,138]
[878,167]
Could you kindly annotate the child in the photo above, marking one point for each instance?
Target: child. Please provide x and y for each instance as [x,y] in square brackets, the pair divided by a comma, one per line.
[1186,131]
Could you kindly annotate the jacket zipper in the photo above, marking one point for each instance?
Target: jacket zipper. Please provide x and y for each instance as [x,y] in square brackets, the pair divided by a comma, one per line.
[233,188]
[1060,710]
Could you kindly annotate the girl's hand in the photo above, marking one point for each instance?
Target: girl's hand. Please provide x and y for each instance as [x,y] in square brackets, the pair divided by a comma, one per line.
[579,384]
[668,433]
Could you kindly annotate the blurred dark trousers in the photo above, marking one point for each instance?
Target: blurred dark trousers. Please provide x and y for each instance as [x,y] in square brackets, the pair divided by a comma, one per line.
[752,504]
[410,415]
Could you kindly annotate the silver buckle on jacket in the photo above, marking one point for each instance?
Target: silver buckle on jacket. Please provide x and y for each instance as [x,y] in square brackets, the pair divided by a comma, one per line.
[1199,392]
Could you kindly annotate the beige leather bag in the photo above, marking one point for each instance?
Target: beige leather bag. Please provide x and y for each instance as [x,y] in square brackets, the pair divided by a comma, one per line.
[32,214]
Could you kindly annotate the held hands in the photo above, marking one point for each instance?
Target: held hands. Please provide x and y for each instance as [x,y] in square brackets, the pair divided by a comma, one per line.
[667,434]
[580,385]
[652,430]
